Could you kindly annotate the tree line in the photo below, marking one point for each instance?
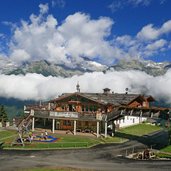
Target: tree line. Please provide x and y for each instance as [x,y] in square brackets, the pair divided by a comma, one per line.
[3,115]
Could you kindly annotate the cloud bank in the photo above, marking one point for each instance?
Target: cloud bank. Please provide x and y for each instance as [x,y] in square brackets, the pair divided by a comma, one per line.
[38,87]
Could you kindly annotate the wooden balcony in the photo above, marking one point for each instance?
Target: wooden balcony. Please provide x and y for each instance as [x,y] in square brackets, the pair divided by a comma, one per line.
[87,116]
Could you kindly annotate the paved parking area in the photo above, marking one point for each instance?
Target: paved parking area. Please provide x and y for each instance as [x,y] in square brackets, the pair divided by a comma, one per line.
[103,157]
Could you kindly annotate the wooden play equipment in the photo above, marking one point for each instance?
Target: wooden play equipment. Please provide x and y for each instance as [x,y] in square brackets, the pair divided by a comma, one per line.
[23,131]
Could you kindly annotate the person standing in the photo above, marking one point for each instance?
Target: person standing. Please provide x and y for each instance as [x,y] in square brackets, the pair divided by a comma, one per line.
[46,134]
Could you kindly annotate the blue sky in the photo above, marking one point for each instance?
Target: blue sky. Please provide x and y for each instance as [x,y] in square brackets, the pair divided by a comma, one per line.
[125,29]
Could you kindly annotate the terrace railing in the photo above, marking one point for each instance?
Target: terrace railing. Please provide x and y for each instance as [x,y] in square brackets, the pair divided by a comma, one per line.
[73,115]
[41,113]
[64,114]
[87,116]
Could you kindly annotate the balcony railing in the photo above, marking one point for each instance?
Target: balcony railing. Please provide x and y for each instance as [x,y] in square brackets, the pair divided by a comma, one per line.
[73,115]
[64,114]
[41,113]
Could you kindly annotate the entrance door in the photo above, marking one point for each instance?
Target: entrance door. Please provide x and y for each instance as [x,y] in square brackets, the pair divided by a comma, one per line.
[58,125]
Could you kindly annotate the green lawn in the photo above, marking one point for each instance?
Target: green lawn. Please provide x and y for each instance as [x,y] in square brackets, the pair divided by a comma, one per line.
[162,155]
[113,139]
[140,129]
[165,152]
[167,149]
[71,141]
[4,134]
[63,141]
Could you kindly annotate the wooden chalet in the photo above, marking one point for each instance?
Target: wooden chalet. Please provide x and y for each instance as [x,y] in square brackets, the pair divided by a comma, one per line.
[91,112]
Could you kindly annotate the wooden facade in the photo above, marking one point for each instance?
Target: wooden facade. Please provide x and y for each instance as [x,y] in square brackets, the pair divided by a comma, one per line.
[90,112]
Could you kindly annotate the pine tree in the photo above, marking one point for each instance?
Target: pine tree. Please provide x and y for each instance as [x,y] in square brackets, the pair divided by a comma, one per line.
[3,115]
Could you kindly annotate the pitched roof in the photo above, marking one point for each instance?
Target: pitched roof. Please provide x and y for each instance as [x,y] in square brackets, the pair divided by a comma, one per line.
[114,99]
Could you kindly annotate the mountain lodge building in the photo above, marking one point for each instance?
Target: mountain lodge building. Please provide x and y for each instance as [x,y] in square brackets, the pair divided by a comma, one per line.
[93,112]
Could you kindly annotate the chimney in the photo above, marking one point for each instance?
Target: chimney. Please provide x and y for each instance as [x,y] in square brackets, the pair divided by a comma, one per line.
[78,87]
[106,91]
[126,91]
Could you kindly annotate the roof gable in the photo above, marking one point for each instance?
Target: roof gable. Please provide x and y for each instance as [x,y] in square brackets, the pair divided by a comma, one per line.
[104,99]
[71,96]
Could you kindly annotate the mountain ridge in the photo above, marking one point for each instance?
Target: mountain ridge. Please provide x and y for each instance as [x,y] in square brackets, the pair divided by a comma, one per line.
[149,67]
[47,68]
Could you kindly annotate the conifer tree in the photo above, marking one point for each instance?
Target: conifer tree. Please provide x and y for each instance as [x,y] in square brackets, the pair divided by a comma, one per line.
[3,115]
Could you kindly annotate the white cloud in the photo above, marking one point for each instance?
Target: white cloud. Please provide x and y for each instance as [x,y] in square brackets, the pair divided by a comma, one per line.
[38,87]
[126,40]
[121,4]
[162,1]
[146,43]
[115,5]
[149,32]
[43,38]
[140,2]
[88,41]
[58,3]
[166,27]
[156,45]
[2,35]
[43,8]
[20,55]
[169,46]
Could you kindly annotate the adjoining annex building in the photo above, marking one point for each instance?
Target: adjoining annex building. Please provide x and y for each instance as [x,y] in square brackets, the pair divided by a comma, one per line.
[93,112]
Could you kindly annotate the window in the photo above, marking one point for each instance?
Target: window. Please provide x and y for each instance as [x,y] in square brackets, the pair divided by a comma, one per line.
[144,104]
[86,123]
[91,108]
[123,120]
[86,108]
[67,123]
[95,108]
[79,123]
[82,108]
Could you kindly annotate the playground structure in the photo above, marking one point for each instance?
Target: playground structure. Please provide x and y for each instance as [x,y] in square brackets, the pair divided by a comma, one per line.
[44,139]
[24,134]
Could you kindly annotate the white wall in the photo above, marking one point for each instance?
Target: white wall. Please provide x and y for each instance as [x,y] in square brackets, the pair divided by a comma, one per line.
[129,120]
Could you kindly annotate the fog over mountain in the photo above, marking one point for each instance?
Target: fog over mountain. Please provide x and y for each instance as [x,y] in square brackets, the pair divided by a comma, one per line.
[34,86]
[42,80]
